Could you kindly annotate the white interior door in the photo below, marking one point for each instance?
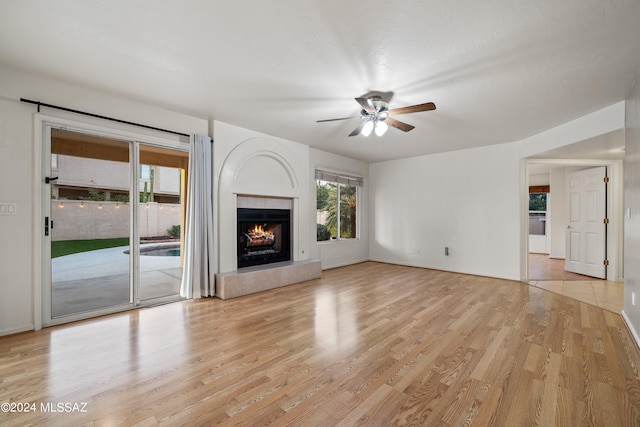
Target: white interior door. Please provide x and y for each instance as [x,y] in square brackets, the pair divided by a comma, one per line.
[586,231]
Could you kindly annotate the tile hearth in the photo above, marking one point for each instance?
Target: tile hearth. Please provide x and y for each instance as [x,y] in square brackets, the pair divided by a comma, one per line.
[260,278]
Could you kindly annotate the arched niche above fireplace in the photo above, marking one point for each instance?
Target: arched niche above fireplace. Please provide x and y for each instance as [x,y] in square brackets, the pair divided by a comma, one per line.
[267,168]
[264,171]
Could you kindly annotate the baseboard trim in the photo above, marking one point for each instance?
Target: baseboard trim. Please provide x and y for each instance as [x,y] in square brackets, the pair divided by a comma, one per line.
[17,330]
[329,266]
[627,322]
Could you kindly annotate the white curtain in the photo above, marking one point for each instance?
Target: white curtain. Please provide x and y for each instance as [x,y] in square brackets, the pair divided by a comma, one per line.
[198,274]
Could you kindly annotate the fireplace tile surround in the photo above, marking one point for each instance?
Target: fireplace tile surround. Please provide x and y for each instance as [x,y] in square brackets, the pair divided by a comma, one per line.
[258,278]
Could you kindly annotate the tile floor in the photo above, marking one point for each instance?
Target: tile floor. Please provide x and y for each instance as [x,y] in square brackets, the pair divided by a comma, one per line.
[549,274]
[602,293]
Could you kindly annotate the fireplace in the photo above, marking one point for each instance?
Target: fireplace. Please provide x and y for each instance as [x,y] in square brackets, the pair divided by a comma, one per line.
[263,236]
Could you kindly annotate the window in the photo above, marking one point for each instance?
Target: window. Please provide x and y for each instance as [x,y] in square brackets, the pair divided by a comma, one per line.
[537,214]
[336,206]
[145,172]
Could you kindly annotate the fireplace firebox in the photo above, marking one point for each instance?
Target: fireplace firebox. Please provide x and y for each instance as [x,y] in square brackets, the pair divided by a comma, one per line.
[263,236]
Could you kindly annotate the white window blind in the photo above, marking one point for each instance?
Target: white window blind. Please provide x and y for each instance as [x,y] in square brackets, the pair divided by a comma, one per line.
[339,178]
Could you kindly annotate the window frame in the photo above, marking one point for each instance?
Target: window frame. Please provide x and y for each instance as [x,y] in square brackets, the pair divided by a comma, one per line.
[340,180]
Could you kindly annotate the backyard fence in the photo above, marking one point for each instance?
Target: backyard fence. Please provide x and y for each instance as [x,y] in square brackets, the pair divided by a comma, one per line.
[85,220]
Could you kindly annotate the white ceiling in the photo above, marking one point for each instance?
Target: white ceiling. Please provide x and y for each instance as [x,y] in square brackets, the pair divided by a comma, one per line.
[498,71]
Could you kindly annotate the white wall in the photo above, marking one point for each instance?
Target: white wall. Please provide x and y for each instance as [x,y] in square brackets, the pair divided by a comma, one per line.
[18,257]
[558,217]
[16,234]
[337,253]
[631,312]
[466,200]
[539,179]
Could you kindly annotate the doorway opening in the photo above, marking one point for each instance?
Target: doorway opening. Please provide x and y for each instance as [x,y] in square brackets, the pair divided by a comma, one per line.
[559,233]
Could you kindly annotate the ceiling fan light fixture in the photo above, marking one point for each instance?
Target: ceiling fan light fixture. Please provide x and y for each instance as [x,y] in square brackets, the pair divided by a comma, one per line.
[381,127]
[376,115]
[368,127]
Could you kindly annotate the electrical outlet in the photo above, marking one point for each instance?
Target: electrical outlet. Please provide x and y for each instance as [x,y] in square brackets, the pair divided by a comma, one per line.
[416,251]
[633,298]
[446,251]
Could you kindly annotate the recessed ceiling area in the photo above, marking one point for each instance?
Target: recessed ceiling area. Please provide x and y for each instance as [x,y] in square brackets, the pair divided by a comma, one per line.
[498,71]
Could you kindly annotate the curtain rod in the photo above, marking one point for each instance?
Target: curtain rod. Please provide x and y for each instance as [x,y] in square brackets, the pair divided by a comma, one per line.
[42,104]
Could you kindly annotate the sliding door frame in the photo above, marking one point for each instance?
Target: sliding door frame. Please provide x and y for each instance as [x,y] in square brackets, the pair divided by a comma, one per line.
[41,255]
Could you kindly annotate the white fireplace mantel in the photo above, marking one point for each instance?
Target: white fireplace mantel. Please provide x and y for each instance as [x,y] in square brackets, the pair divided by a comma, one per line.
[261,168]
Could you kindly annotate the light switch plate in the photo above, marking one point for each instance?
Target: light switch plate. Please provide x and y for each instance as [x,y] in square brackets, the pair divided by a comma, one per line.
[8,209]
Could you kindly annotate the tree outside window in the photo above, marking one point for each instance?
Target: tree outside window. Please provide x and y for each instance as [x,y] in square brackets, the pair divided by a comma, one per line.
[538,201]
[336,210]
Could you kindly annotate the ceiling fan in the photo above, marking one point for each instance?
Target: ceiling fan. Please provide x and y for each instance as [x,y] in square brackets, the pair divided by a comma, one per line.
[375,115]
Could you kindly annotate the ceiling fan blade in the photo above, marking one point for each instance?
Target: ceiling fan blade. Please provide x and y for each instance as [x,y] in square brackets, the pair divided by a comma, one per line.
[341,118]
[357,130]
[405,127]
[413,109]
[367,105]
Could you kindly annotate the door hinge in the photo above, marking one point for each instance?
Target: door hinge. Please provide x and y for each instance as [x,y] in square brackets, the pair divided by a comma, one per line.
[606,220]
[606,262]
[606,179]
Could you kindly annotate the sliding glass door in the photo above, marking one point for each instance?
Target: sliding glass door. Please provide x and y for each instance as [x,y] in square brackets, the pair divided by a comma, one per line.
[90,223]
[112,226]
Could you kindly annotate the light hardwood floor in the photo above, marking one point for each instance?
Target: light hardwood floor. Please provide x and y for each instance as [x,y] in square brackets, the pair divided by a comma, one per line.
[369,344]
[541,267]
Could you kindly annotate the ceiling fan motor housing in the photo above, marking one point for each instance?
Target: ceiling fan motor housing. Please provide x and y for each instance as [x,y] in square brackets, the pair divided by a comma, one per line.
[381,109]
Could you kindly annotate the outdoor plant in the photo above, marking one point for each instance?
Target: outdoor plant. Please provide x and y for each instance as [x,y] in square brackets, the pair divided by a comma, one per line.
[123,198]
[98,196]
[144,195]
[323,232]
[174,231]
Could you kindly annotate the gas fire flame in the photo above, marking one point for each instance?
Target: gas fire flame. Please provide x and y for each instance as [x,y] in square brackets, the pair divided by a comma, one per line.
[258,236]
[258,230]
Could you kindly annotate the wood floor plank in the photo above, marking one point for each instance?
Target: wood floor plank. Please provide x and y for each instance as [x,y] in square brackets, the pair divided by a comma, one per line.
[370,344]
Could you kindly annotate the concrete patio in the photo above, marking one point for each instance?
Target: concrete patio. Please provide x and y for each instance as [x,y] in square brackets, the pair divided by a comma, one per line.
[98,279]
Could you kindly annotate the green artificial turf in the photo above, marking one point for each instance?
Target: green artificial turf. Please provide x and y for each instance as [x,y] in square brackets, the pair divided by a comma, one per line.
[68,247]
